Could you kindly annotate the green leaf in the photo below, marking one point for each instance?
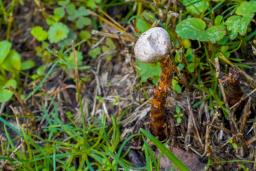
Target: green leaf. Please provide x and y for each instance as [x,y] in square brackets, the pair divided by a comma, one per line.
[94,52]
[6,95]
[196,7]
[85,35]
[142,25]
[12,62]
[64,2]
[2,81]
[27,65]
[82,12]
[167,152]
[237,24]
[216,33]
[149,16]
[218,20]
[246,8]
[73,58]
[91,4]
[191,67]
[175,86]
[72,36]
[148,71]
[57,32]
[39,33]
[71,10]
[11,84]
[233,24]
[5,47]
[50,20]
[245,21]
[192,28]
[110,43]
[59,12]
[82,22]
[41,70]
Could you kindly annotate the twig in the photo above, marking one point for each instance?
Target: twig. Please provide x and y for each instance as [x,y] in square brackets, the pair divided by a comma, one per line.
[243,98]
[194,122]
[189,127]
[99,92]
[208,131]
[245,115]
[217,67]
[2,108]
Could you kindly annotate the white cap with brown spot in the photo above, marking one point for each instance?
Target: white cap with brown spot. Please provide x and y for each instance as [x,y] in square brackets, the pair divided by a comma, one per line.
[153,45]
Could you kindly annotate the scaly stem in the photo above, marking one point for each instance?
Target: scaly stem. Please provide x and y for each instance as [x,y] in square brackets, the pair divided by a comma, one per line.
[157,114]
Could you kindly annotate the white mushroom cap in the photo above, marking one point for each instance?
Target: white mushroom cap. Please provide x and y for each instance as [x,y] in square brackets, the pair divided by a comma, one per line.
[152,45]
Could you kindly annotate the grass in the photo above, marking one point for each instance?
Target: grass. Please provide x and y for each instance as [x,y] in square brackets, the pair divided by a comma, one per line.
[75,145]
[41,130]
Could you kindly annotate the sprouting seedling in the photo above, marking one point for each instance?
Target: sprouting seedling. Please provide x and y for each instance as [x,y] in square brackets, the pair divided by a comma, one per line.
[154,46]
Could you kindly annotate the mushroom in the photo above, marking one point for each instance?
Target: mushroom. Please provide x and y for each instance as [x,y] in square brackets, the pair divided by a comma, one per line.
[154,46]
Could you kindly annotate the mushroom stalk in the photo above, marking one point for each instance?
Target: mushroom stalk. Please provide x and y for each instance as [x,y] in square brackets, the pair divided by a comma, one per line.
[154,46]
[157,114]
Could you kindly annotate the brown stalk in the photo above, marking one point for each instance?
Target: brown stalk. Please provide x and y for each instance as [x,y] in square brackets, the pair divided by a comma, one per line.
[157,114]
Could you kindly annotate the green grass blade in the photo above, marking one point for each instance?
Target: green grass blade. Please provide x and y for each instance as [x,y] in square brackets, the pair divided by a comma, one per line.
[175,161]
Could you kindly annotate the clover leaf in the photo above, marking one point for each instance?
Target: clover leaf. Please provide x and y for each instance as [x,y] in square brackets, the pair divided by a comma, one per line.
[192,28]
[196,7]
[57,32]
[246,8]
[216,33]
[39,33]
[237,24]
[82,22]
[195,29]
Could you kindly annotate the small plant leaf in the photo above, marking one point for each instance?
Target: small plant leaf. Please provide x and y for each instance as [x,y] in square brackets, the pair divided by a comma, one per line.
[237,24]
[175,86]
[73,58]
[11,84]
[5,47]
[246,8]
[94,52]
[6,95]
[149,16]
[12,62]
[82,12]
[192,28]
[218,20]
[59,12]
[216,33]
[82,22]
[142,25]
[72,36]
[91,4]
[85,35]
[196,7]
[233,24]
[71,10]
[63,2]
[39,33]
[27,65]
[148,71]
[57,32]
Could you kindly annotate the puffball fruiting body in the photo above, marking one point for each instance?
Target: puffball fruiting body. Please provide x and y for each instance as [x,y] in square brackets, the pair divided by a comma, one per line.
[152,45]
